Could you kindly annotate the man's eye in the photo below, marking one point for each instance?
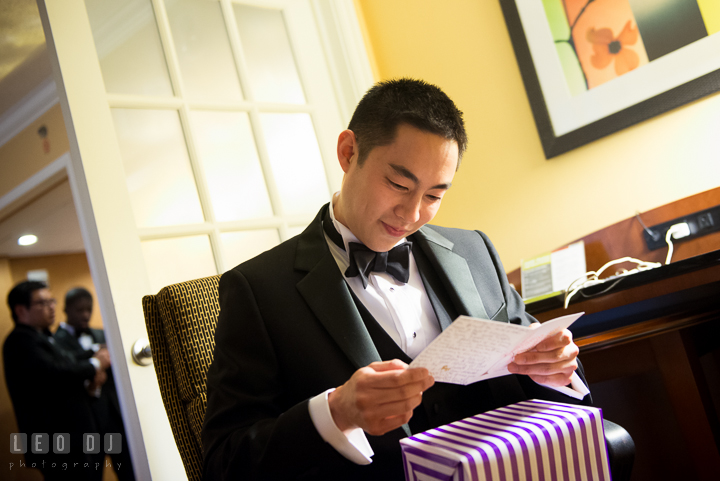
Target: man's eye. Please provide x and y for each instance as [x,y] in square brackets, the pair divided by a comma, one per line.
[397,186]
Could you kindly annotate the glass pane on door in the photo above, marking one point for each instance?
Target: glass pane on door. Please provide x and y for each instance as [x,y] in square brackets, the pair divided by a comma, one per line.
[296,162]
[178,259]
[269,57]
[128,47]
[203,50]
[157,167]
[294,230]
[241,246]
[226,148]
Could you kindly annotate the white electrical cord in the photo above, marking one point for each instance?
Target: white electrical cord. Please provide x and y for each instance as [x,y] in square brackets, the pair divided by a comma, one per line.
[677,231]
[593,278]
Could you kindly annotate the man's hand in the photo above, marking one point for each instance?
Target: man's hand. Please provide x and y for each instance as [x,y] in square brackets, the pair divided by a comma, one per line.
[380,397]
[104,357]
[99,380]
[552,362]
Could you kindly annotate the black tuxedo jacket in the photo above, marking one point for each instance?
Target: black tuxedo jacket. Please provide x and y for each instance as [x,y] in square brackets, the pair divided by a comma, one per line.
[69,342]
[107,407]
[290,329]
[47,389]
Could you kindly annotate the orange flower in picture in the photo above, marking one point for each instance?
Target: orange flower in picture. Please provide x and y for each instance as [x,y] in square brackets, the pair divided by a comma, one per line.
[607,48]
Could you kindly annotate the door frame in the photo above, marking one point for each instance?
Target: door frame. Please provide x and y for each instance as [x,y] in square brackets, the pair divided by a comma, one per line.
[116,264]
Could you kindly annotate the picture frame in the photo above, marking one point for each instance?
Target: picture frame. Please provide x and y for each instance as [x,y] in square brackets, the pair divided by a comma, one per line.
[568,120]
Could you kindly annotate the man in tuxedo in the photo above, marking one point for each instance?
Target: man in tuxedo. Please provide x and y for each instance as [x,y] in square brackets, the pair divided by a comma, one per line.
[310,377]
[48,386]
[77,338]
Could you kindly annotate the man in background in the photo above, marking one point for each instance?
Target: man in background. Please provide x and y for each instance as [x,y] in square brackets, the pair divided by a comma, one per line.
[48,386]
[77,338]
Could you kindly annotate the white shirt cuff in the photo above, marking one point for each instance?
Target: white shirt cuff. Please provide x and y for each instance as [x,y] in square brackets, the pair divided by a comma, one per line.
[352,443]
[95,362]
[577,389]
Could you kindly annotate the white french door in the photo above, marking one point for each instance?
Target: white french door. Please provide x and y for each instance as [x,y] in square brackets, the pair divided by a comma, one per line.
[202,133]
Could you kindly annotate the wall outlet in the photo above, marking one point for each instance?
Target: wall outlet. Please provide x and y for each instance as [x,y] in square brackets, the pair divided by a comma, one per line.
[700,223]
[705,221]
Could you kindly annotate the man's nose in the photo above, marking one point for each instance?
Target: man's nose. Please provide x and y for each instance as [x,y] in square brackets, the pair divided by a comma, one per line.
[409,209]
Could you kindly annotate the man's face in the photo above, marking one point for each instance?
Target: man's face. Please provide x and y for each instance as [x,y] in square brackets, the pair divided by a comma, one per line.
[41,313]
[79,312]
[399,187]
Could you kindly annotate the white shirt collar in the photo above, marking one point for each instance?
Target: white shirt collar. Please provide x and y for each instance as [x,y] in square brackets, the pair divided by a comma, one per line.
[68,327]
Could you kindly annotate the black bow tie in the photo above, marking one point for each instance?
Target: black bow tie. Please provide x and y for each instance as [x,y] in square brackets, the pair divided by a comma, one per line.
[80,331]
[364,260]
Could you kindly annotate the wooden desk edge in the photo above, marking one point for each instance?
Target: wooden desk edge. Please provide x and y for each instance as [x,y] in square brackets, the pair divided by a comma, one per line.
[643,330]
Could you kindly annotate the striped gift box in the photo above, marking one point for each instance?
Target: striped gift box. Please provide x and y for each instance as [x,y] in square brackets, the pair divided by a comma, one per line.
[534,439]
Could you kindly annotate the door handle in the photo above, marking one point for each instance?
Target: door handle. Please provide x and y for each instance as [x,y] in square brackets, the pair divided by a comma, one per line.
[141,352]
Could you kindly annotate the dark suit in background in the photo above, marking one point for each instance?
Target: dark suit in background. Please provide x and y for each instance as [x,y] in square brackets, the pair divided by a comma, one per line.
[47,388]
[291,328]
[106,408]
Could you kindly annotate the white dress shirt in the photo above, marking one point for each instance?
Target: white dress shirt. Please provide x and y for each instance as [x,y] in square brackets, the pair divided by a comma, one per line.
[88,343]
[85,339]
[405,312]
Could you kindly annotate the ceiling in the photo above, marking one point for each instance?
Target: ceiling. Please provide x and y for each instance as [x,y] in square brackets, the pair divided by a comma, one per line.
[21,33]
[51,217]
[24,66]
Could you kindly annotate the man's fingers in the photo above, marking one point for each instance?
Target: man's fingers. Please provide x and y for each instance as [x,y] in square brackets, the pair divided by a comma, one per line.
[558,353]
[382,393]
[391,409]
[557,364]
[561,339]
[556,380]
[395,364]
[392,379]
[565,367]
[535,357]
[379,396]
[384,425]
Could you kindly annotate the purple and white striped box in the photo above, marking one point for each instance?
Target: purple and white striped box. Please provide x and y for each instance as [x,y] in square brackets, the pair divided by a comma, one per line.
[538,440]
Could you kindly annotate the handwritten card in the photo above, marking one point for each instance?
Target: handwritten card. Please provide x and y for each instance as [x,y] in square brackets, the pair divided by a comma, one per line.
[472,349]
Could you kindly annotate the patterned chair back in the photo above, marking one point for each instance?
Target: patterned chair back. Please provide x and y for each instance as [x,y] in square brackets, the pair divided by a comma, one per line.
[181,321]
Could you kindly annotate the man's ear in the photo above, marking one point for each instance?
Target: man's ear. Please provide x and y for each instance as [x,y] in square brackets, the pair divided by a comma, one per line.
[347,149]
[20,312]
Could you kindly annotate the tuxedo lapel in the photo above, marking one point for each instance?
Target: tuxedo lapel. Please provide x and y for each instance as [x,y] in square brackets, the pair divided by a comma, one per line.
[98,335]
[456,276]
[453,271]
[63,336]
[328,295]
[442,305]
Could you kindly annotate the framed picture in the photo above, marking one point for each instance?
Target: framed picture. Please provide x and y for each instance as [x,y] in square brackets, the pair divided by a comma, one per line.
[593,67]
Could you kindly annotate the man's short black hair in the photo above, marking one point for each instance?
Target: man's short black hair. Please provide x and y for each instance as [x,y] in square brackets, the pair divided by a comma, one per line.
[405,101]
[21,295]
[75,294]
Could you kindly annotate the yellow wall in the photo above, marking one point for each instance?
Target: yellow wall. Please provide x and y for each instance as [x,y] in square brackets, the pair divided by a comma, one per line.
[505,187]
[23,155]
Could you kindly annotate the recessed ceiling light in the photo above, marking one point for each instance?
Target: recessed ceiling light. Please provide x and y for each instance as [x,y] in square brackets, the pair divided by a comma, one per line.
[27,240]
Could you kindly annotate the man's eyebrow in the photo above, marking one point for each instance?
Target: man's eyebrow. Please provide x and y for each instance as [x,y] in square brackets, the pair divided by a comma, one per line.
[404,172]
[409,175]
